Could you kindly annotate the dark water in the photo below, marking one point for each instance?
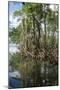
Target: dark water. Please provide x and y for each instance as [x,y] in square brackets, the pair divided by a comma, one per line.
[15,82]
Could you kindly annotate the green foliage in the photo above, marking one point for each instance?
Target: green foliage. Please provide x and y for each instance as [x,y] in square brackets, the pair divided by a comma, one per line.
[38,43]
[14,35]
[15,61]
[17,13]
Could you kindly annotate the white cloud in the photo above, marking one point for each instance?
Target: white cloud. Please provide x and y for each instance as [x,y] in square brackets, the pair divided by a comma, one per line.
[13,48]
[52,7]
[13,21]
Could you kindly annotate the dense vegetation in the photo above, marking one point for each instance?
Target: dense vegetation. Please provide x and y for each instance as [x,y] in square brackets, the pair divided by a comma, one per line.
[37,40]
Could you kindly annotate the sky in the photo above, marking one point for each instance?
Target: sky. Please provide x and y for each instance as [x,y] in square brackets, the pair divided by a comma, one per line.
[13,6]
[13,48]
